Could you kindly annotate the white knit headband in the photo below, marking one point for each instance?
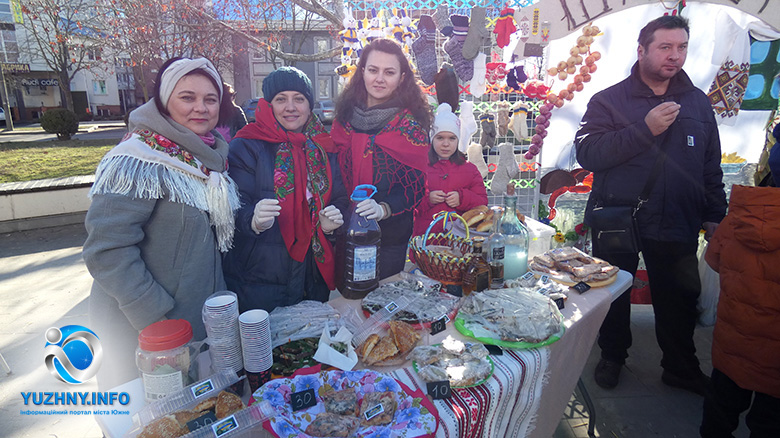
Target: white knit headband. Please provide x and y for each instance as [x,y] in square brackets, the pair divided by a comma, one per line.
[178,69]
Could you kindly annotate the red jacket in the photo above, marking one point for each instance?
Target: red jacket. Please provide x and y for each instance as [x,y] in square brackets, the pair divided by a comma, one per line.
[447,176]
[745,250]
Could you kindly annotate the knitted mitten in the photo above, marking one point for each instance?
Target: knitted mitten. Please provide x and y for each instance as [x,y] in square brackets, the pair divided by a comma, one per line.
[479,80]
[507,169]
[516,77]
[468,126]
[488,138]
[477,33]
[517,121]
[476,158]
[505,26]
[496,72]
[464,68]
[447,86]
[502,116]
[424,49]
[442,19]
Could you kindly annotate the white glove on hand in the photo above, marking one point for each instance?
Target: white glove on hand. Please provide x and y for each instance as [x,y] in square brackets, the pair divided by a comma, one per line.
[330,219]
[369,209]
[265,212]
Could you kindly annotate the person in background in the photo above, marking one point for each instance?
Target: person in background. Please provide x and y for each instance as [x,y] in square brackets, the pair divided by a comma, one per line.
[656,110]
[161,213]
[381,130]
[745,250]
[451,182]
[231,116]
[292,198]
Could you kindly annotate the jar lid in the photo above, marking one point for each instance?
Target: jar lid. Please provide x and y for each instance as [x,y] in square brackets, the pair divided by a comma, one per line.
[165,335]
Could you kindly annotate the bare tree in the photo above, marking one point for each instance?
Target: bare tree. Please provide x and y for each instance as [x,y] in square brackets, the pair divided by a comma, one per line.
[66,35]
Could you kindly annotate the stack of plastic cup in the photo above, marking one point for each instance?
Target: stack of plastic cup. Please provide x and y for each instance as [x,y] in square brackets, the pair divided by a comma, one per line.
[255,329]
[220,316]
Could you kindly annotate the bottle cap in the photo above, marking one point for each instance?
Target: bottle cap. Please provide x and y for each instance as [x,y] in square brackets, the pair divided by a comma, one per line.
[165,335]
[363,192]
[510,189]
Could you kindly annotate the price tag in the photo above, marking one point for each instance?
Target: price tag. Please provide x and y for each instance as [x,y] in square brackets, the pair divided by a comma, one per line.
[559,303]
[438,326]
[203,388]
[439,390]
[581,287]
[302,399]
[203,420]
[527,276]
[391,307]
[373,412]
[494,350]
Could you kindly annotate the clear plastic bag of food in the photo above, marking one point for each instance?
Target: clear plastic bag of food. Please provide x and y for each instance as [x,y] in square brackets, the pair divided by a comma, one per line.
[287,324]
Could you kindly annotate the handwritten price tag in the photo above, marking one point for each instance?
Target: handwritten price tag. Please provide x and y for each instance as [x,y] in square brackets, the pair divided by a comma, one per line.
[302,399]
[203,420]
[438,326]
[439,390]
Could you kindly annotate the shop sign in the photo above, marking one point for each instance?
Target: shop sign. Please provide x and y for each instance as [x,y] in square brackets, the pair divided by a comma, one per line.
[33,82]
[10,67]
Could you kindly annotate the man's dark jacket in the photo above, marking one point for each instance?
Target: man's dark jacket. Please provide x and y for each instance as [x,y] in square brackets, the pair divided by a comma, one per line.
[615,143]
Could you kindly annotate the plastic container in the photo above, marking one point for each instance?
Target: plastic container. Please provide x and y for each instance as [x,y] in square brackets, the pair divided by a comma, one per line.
[163,357]
[361,258]
[539,237]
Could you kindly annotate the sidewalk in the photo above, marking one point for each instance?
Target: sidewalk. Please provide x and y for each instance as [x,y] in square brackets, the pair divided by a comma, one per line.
[44,283]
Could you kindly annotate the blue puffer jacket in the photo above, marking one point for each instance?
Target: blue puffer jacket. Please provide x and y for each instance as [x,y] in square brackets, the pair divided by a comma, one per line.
[615,143]
[259,268]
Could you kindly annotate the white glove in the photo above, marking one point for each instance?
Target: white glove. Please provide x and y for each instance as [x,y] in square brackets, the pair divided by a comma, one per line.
[369,209]
[330,219]
[265,212]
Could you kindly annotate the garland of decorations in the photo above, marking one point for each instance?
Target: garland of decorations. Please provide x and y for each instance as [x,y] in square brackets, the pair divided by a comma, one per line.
[562,70]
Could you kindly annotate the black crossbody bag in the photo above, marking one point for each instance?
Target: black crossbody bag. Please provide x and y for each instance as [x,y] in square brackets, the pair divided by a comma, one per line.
[614,227]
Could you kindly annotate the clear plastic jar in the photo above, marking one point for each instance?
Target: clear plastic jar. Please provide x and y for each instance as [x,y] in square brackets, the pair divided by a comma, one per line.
[163,357]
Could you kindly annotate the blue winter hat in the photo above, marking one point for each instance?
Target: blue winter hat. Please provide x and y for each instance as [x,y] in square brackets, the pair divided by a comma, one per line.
[287,79]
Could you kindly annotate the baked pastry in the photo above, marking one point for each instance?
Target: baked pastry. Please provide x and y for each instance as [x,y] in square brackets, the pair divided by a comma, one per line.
[227,403]
[341,402]
[206,405]
[368,345]
[476,214]
[383,350]
[332,425]
[404,336]
[369,405]
[163,427]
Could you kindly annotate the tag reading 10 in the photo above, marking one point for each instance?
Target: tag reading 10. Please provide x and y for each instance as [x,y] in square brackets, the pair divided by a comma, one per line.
[438,326]
[439,390]
[302,399]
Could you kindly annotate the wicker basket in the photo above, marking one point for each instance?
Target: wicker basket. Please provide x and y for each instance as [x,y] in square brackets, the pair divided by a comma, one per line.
[445,268]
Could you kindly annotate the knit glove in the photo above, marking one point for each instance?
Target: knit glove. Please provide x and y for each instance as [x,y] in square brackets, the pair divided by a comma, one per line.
[369,209]
[265,212]
[330,219]
[477,33]
[464,68]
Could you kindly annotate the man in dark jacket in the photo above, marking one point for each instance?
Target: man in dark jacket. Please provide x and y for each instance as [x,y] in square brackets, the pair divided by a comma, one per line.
[656,110]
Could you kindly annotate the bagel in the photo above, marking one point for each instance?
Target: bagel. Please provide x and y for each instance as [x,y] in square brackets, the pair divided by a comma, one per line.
[476,214]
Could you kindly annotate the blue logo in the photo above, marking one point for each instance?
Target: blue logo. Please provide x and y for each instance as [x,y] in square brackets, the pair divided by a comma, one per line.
[73,353]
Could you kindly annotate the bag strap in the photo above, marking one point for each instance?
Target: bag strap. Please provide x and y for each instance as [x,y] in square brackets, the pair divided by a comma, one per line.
[659,163]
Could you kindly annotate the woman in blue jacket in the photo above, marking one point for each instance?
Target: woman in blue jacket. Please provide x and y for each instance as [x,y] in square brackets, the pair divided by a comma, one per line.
[292,200]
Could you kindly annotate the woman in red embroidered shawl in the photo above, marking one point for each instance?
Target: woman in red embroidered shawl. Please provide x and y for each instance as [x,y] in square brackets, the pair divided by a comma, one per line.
[292,196]
[381,130]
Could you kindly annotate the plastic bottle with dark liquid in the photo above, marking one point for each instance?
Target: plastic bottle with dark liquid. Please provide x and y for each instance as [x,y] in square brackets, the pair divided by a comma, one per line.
[361,261]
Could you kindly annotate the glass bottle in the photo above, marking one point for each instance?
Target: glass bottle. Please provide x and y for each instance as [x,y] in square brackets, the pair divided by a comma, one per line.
[496,245]
[515,238]
[476,277]
[361,270]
